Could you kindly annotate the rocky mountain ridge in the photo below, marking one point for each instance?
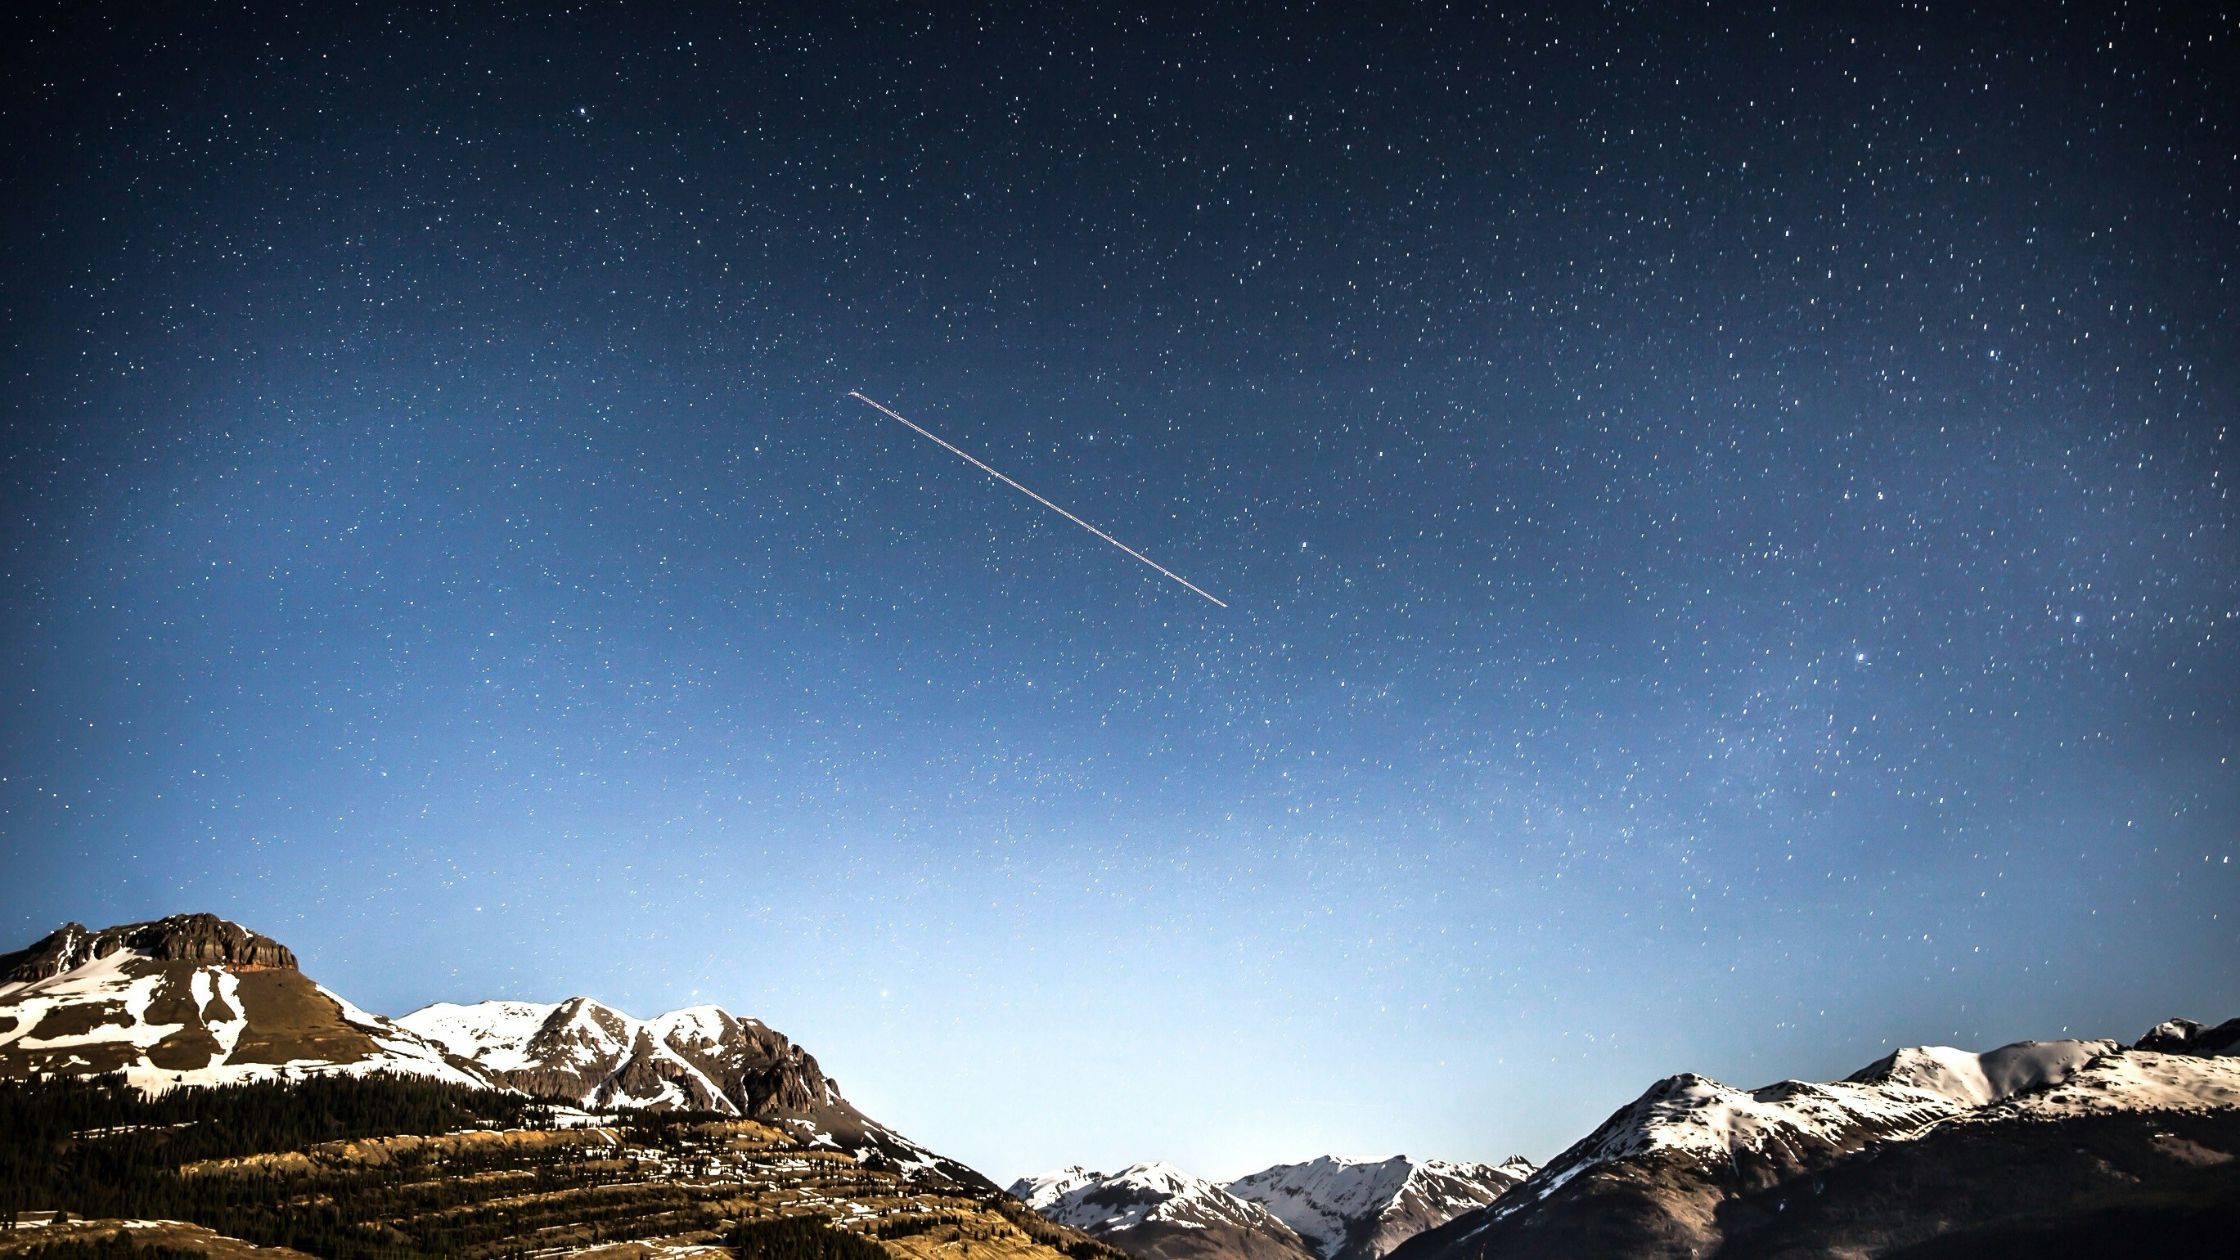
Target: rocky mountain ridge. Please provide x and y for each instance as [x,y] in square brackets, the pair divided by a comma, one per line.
[1350,1209]
[699,1058]
[196,938]
[1324,1209]
[1156,1211]
[1929,1151]
[1924,1143]
[196,1000]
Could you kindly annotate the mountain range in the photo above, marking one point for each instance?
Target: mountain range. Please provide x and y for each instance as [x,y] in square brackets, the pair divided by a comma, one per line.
[1926,1152]
[196,1000]
[2034,1148]
[1328,1208]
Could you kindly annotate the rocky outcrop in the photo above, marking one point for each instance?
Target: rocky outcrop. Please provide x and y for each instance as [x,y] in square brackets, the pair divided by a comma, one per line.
[2191,1036]
[650,1072]
[755,1066]
[194,938]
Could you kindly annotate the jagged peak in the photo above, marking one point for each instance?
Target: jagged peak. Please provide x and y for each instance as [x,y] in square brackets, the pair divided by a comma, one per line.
[2191,1036]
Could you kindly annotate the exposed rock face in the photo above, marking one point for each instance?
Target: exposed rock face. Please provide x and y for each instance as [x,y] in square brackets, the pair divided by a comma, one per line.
[195,938]
[574,1053]
[698,1058]
[2190,1036]
[755,1067]
[648,1071]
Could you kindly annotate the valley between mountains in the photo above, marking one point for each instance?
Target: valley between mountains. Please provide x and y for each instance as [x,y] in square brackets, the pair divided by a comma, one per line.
[181,1087]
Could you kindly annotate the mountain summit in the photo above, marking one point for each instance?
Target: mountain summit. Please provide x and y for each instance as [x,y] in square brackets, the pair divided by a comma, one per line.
[191,999]
[2040,1147]
[1354,1209]
[1159,1212]
[195,938]
[1325,1209]
[699,1058]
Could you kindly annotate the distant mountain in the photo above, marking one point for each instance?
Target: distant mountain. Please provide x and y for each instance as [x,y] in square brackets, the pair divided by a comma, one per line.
[1325,1209]
[1929,1147]
[1158,1212]
[1350,1209]
[2056,1147]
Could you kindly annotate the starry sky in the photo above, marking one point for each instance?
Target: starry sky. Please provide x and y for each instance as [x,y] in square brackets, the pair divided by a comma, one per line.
[1725,514]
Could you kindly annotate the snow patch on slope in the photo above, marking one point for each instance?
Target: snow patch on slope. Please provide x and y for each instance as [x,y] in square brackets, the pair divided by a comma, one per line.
[494,1034]
[1138,1195]
[1321,1197]
[1895,1097]
[1369,1206]
[104,1005]
[586,1037]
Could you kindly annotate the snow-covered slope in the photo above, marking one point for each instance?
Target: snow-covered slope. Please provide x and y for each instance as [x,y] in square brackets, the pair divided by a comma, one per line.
[176,1001]
[1159,1212]
[1324,1209]
[2128,1082]
[194,999]
[699,1058]
[1137,1195]
[579,1049]
[1349,1209]
[1693,1166]
[1792,1123]
[494,1034]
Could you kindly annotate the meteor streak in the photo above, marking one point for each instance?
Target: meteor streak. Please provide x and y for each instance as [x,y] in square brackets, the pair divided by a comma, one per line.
[929,434]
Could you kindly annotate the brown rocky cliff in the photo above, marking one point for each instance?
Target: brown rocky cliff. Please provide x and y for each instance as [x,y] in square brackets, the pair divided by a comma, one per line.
[759,1070]
[196,938]
[647,1071]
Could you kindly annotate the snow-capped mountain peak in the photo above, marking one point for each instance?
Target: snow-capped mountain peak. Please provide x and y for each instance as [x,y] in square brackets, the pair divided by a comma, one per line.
[1657,1177]
[1361,1209]
[495,1034]
[1975,1080]
[1796,1121]
[1516,1166]
[579,1048]
[697,1025]
[1331,1208]
[1140,1195]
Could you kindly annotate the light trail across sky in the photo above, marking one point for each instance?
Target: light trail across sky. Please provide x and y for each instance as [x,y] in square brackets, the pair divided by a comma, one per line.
[891,414]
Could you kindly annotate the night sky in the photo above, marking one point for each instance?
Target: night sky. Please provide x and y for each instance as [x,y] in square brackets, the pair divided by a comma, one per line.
[1726,519]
